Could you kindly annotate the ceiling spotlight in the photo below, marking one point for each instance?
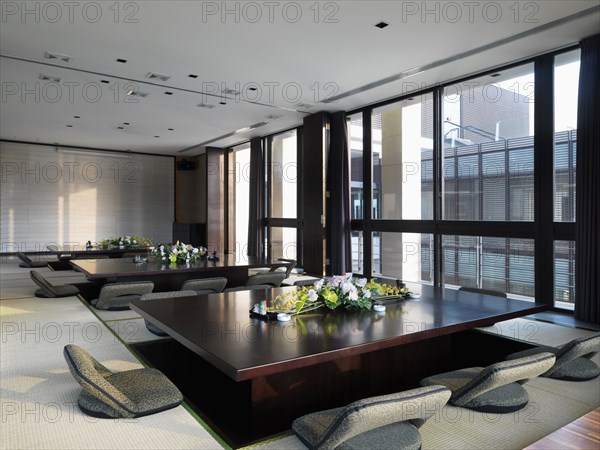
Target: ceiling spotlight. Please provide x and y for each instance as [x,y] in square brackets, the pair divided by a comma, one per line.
[381,25]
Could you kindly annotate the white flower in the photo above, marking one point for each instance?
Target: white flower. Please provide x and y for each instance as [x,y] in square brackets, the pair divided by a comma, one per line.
[366,293]
[361,282]
[346,287]
[195,250]
[353,295]
[319,284]
[337,280]
[312,295]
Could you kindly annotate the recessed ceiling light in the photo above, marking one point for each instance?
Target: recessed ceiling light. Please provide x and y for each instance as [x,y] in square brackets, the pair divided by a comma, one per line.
[222,102]
[272,117]
[205,105]
[168,93]
[304,105]
[381,25]
[230,92]
[171,129]
[77,117]
[69,126]
[104,81]
[191,75]
[494,75]
[156,136]
[252,89]
[125,123]
[121,60]
[121,128]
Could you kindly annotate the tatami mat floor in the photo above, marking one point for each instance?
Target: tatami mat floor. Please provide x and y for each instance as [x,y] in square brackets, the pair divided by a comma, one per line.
[38,395]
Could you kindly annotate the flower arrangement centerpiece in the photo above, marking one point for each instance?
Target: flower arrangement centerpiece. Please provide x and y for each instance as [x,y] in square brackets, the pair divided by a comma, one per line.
[124,242]
[335,292]
[178,253]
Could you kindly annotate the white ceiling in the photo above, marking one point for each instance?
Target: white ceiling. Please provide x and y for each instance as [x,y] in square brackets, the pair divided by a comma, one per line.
[295,64]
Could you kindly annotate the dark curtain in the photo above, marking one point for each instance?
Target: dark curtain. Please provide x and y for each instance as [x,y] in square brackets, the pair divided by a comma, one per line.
[338,185]
[587,253]
[257,196]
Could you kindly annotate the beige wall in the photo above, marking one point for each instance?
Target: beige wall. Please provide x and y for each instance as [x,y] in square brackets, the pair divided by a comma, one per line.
[68,199]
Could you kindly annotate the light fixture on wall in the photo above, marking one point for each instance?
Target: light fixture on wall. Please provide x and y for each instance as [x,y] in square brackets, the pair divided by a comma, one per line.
[69,151]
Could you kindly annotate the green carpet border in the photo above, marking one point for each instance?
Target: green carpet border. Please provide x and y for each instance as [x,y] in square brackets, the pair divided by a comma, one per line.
[145,363]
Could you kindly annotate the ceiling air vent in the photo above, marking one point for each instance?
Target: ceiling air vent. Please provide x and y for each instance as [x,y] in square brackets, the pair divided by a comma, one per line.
[50,78]
[52,55]
[157,76]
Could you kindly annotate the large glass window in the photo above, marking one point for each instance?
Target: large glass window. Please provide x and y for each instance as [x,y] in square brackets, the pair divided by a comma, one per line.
[284,243]
[402,143]
[487,136]
[496,264]
[405,256]
[282,176]
[564,274]
[283,167]
[566,91]
[355,140]
[358,256]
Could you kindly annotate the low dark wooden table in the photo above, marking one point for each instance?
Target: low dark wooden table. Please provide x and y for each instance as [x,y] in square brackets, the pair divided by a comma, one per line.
[268,373]
[65,257]
[165,276]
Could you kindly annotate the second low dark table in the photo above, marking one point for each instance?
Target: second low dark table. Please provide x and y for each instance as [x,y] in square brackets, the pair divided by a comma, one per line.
[167,277]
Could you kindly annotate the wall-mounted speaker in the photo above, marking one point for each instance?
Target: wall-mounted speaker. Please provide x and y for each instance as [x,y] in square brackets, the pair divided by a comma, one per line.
[186,165]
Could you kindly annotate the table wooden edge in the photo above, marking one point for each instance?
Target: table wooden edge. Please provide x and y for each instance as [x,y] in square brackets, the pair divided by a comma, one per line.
[309,360]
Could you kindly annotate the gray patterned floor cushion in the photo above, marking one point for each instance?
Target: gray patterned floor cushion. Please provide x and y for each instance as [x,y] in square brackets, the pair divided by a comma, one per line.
[48,290]
[27,262]
[132,393]
[403,436]
[493,389]
[117,296]
[572,359]
[158,296]
[372,422]
[272,278]
[204,286]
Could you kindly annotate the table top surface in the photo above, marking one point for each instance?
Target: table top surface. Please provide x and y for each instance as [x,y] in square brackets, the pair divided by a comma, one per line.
[122,267]
[218,327]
